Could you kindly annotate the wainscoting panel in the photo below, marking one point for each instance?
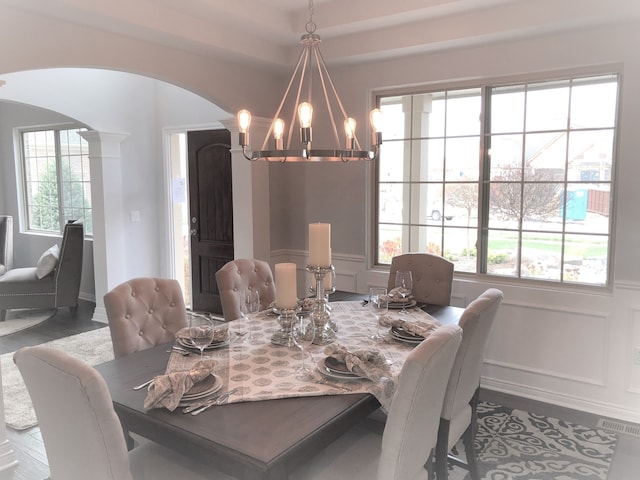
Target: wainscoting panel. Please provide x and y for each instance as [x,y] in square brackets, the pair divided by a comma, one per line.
[634,350]
[535,339]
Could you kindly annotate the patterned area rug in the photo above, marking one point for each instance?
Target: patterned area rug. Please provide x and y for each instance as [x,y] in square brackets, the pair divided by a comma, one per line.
[25,318]
[517,445]
[93,347]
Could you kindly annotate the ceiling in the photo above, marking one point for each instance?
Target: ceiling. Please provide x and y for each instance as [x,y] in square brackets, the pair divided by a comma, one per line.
[268,31]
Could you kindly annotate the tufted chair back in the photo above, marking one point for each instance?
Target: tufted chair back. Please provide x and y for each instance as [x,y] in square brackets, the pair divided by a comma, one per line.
[240,275]
[432,276]
[144,312]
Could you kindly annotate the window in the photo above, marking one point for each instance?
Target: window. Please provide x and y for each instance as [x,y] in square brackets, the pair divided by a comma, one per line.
[509,180]
[57,184]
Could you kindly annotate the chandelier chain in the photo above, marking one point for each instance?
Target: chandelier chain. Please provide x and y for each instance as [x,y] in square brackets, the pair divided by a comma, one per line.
[310,26]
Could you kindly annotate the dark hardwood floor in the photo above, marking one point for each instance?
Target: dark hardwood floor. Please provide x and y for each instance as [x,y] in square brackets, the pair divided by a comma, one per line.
[30,452]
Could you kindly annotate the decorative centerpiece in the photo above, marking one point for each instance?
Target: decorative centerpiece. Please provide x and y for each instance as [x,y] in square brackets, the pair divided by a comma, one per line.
[286,303]
[320,266]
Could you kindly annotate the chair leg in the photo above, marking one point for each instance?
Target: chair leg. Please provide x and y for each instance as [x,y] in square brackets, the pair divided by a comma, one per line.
[73,310]
[429,465]
[469,435]
[3,315]
[442,450]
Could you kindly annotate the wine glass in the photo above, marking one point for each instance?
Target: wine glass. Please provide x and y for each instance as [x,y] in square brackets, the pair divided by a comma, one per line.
[404,284]
[250,306]
[379,305]
[303,333]
[201,332]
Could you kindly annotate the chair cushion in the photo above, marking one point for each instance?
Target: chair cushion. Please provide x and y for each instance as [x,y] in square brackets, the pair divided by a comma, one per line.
[24,281]
[47,262]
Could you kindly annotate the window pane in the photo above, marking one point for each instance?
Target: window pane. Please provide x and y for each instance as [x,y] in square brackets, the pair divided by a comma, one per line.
[586,258]
[462,156]
[594,105]
[390,242]
[506,155]
[460,248]
[428,160]
[463,112]
[507,109]
[430,204]
[505,205]
[541,255]
[547,106]
[391,163]
[390,203]
[502,253]
[461,205]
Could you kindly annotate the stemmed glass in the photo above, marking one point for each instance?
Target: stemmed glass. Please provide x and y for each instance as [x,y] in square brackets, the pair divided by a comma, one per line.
[404,284]
[201,332]
[303,332]
[379,305]
[250,306]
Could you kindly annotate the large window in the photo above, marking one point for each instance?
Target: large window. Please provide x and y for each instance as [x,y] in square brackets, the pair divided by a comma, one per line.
[509,180]
[57,184]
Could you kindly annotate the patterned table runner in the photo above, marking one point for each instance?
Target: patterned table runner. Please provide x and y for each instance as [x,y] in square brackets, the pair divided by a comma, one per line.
[262,371]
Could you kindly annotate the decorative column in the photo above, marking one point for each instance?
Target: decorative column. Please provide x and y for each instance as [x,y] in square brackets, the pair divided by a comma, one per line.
[7,457]
[108,215]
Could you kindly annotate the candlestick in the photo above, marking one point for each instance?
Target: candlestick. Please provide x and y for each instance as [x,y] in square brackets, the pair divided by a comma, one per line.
[286,286]
[321,314]
[319,244]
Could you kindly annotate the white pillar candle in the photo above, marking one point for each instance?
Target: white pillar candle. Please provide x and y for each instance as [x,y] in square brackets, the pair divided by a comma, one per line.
[319,244]
[286,285]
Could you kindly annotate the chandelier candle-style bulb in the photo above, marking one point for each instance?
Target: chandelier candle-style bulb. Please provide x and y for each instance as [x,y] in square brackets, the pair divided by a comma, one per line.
[278,133]
[305,113]
[376,118]
[350,132]
[244,122]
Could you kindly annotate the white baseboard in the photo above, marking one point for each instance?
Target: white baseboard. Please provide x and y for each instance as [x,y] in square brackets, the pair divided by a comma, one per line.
[562,400]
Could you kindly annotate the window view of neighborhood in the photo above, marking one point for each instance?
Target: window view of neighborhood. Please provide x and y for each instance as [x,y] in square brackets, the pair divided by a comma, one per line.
[511,180]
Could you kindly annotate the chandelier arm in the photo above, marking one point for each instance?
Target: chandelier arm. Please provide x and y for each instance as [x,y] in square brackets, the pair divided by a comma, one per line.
[284,98]
[322,71]
[335,93]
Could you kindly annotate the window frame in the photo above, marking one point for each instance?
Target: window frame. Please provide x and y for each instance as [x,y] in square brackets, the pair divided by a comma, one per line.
[24,202]
[483,183]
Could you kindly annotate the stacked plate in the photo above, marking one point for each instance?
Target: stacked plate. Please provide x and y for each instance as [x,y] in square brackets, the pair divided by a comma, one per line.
[219,341]
[330,367]
[202,389]
[410,303]
[402,335]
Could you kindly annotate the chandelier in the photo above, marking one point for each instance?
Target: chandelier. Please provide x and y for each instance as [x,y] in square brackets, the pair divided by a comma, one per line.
[309,82]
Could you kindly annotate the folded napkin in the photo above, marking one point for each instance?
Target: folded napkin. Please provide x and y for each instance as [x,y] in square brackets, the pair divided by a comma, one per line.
[395,295]
[167,390]
[220,334]
[423,328]
[369,364]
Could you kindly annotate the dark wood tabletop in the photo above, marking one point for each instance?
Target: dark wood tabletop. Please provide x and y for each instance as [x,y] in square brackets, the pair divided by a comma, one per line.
[262,440]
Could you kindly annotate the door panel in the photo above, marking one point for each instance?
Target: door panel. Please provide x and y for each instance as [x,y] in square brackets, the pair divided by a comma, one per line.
[211,211]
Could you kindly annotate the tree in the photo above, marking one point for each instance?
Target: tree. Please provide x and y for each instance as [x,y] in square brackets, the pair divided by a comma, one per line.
[538,198]
[45,213]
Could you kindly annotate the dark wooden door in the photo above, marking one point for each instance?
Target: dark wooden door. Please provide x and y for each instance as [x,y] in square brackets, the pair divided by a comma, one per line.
[211,212]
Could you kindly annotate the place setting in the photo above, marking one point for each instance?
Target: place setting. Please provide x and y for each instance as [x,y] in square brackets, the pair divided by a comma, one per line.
[342,364]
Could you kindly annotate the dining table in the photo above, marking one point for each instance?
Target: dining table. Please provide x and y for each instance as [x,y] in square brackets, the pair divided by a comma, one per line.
[273,422]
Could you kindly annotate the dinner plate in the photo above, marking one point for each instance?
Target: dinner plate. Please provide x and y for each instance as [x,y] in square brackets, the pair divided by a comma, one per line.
[400,305]
[324,370]
[405,336]
[203,389]
[187,343]
[340,368]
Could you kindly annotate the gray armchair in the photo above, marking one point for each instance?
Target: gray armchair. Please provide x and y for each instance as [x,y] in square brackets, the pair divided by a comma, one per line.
[6,243]
[22,287]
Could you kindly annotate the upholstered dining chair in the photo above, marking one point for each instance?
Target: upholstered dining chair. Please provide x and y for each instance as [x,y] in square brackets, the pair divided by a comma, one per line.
[144,312]
[459,419]
[6,243]
[405,449]
[240,275]
[432,276]
[82,434]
